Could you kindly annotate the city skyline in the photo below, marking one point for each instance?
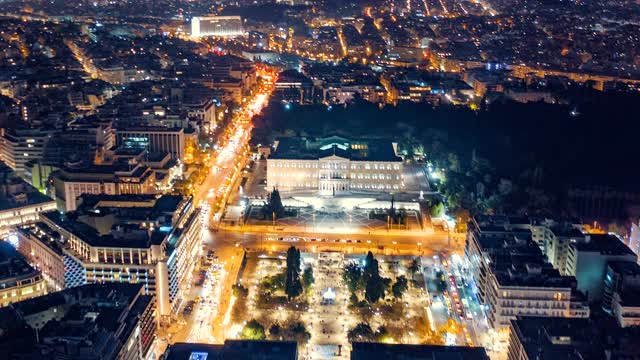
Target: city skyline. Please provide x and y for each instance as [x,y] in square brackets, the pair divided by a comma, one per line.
[322,179]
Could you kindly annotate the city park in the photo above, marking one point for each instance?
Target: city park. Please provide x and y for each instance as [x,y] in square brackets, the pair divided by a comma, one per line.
[327,300]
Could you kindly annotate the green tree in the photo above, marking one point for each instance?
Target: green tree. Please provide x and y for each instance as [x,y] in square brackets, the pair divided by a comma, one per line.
[370,267]
[414,268]
[440,282]
[253,330]
[437,210]
[462,218]
[361,332]
[275,331]
[352,276]
[273,209]
[293,286]
[374,290]
[353,300]
[399,287]
[382,334]
[299,332]
[239,290]
[276,204]
[307,277]
[273,283]
[387,284]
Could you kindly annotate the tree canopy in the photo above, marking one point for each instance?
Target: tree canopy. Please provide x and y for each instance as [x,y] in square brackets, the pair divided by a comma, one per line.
[399,287]
[253,330]
[293,286]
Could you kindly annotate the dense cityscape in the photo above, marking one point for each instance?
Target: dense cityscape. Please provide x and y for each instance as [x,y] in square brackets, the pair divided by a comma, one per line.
[300,179]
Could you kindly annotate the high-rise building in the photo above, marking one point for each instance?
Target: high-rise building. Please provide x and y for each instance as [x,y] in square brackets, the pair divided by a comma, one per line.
[513,276]
[216,26]
[139,239]
[584,256]
[154,139]
[19,146]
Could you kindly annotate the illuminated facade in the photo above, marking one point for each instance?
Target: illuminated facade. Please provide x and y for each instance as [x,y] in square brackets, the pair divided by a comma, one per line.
[513,277]
[43,253]
[129,239]
[20,201]
[216,26]
[154,139]
[18,280]
[18,147]
[70,183]
[335,165]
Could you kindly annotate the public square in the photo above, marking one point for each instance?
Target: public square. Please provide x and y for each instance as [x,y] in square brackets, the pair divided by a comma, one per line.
[321,318]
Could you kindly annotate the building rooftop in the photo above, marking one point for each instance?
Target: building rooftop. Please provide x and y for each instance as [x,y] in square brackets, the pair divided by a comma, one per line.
[43,234]
[625,268]
[630,298]
[94,319]
[234,350]
[121,220]
[16,193]
[374,351]
[516,260]
[313,149]
[604,244]
[558,338]
[13,266]
[92,236]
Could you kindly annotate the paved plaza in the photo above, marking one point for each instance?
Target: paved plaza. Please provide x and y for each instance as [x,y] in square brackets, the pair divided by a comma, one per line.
[327,314]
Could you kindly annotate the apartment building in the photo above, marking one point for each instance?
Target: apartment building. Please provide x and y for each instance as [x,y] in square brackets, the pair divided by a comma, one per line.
[20,202]
[18,280]
[140,239]
[94,321]
[20,146]
[513,276]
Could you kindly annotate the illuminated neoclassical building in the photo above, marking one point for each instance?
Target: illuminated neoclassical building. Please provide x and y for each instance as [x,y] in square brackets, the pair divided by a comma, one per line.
[335,165]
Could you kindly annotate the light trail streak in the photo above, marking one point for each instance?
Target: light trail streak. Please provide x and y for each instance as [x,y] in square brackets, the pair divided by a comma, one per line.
[443,7]
[426,7]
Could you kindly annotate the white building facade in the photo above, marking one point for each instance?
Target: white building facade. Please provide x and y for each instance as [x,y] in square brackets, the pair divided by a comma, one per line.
[337,169]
